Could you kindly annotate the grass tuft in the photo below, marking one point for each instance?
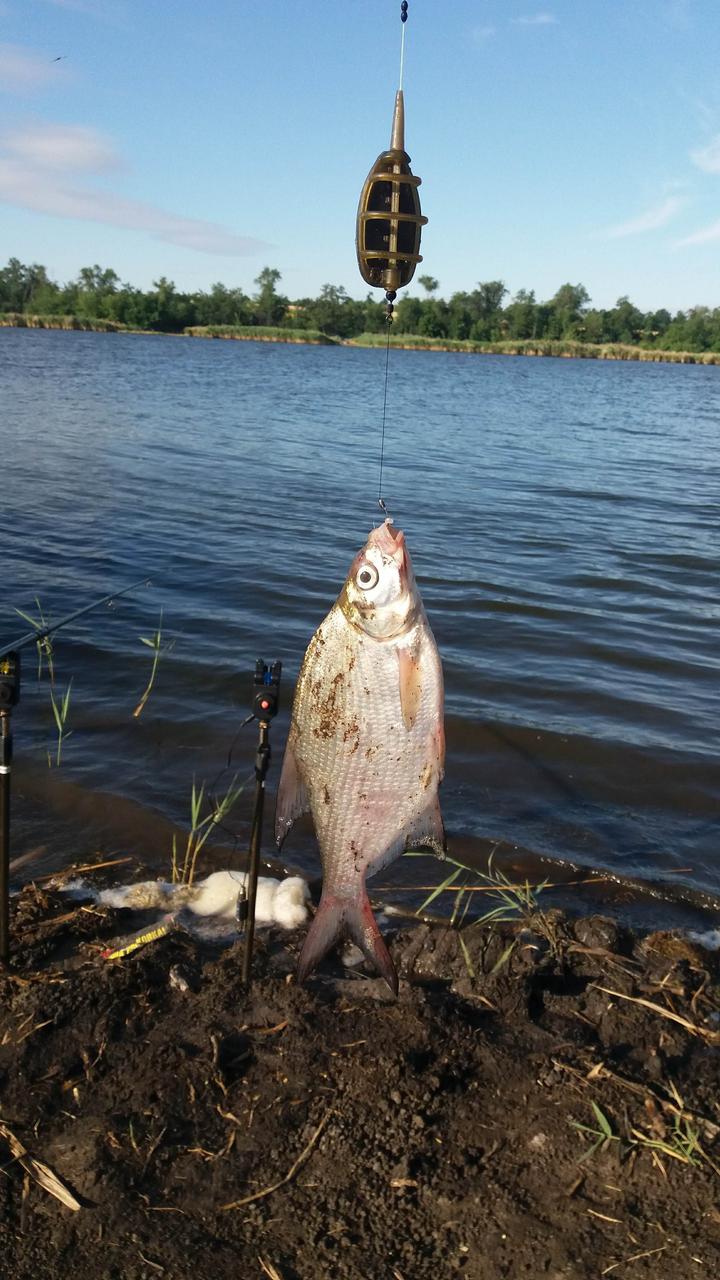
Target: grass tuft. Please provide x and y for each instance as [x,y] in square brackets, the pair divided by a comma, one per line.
[201,828]
[60,709]
[44,644]
[155,643]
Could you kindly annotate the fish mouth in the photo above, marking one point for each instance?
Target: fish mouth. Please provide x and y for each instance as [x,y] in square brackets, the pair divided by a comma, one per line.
[389,540]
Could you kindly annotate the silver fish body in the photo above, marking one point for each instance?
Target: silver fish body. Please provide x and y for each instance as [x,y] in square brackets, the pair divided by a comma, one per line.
[365,752]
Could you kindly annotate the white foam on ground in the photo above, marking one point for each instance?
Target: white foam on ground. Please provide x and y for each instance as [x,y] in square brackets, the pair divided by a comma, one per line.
[215,899]
[709,938]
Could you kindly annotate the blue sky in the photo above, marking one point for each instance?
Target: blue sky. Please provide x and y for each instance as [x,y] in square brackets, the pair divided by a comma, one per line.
[577,140]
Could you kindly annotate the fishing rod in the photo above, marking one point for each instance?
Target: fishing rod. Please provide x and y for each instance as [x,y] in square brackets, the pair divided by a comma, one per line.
[10,673]
[389,225]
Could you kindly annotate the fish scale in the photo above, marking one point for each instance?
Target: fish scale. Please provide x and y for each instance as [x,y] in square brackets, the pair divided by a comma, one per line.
[364,778]
[366,744]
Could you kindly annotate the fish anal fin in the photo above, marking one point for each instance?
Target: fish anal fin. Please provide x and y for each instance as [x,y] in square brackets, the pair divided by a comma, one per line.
[410,686]
[292,797]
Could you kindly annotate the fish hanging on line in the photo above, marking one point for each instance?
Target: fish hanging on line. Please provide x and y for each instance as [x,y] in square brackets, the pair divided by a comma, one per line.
[366,747]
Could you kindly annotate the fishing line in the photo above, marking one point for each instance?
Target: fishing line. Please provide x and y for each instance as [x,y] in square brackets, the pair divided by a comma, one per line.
[403,19]
[390,294]
[381,500]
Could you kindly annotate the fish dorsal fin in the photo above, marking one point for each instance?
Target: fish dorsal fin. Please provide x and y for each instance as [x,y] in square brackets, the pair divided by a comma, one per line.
[410,685]
[292,797]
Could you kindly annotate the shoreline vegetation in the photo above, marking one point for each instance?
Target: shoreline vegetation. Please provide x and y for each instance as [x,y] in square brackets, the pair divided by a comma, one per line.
[558,348]
[484,319]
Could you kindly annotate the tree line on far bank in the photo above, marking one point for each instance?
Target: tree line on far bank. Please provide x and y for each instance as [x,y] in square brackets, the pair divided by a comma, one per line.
[484,314]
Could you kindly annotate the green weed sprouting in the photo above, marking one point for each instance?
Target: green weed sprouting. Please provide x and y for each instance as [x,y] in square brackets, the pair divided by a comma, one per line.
[602,1135]
[60,708]
[61,705]
[201,828]
[155,643]
[515,902]
[679,1142]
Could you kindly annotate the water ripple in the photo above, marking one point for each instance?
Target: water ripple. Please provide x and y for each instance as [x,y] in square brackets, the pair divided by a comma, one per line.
[564,523]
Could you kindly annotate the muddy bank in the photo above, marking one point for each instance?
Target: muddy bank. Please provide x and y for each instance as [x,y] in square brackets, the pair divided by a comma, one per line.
[331,1131]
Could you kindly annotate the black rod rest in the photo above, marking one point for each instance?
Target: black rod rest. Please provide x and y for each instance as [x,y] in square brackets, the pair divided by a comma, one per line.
[266,702]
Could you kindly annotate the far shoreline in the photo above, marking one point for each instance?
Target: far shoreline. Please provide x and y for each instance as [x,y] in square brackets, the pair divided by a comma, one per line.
[558,349]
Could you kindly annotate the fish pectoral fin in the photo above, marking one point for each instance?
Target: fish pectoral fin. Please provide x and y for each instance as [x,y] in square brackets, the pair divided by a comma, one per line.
[410,686]
[292,797]
[428,831]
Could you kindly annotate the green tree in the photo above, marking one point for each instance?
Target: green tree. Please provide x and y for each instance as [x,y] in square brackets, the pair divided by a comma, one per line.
[434,318]
[270,307]
[332,312]
[372,315]
[20,284]
[98,279]
[568,307]
[624,323]
[593,327]
[520,315]
[460,316]
[408,315]
[222,306]
[485,304]
[658,322]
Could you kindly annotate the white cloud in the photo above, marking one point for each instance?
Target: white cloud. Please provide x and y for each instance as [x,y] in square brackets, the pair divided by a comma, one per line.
[22,68]
[704,236]
[39,170]
[537,20]
[708,158]
[653,218]
[60,146]
[482,34]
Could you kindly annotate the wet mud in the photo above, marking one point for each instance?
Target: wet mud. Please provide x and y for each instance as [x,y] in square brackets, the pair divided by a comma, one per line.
[333,1132]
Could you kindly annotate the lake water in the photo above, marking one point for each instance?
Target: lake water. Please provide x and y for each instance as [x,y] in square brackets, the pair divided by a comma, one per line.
[564,521]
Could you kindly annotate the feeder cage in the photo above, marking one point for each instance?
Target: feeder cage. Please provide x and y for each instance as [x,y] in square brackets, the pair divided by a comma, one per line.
[389,217]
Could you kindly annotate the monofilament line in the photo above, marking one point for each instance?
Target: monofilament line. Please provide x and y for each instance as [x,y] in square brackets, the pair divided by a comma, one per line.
[381,501]
[402,56]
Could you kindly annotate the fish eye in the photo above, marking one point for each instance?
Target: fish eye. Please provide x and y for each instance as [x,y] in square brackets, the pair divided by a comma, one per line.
[367,577]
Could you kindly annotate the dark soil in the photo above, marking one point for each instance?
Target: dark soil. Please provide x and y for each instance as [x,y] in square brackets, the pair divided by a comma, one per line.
[333,1132]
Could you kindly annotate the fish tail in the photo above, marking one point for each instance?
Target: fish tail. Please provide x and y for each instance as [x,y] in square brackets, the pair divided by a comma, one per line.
[338,917]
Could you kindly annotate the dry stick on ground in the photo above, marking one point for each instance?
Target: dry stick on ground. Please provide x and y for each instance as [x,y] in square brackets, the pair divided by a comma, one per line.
[635,1258]
[304,1155]
[692,1027]
[269,1270]
[42,1173]
[481,888]
[86,866]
